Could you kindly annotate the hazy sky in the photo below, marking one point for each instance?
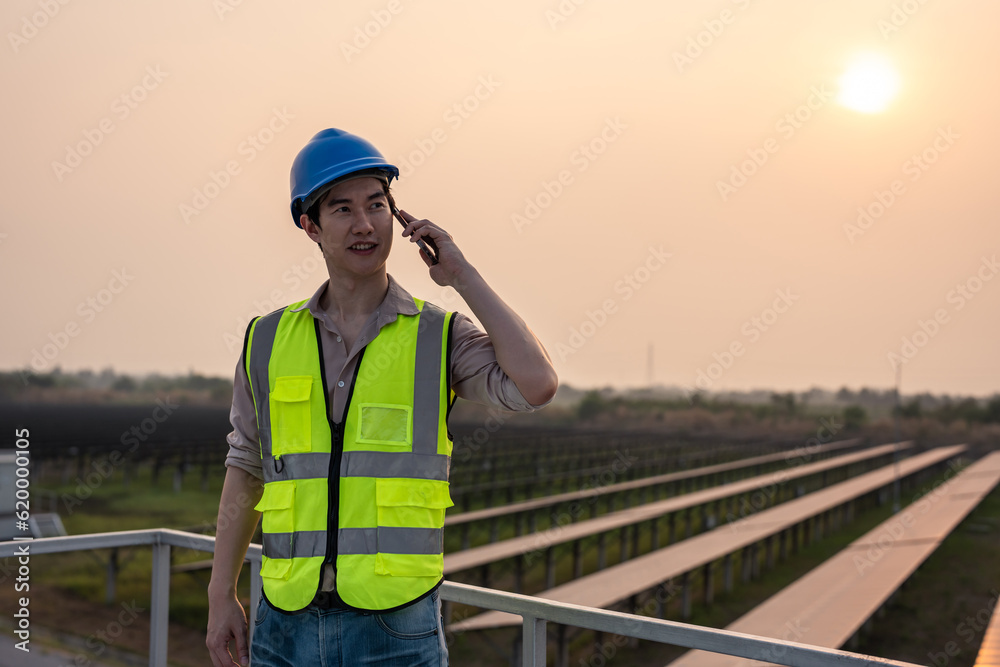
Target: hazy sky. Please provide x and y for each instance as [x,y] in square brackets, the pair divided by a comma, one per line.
[623,173]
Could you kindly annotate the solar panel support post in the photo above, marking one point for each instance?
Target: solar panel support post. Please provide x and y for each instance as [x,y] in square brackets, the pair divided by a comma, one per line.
[686,596]
[112,578]
[727,573]
[562,646]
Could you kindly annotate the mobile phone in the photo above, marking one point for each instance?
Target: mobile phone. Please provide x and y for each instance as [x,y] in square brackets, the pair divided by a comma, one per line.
[426,245]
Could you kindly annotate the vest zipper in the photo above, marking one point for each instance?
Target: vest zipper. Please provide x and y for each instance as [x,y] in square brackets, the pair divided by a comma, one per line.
[333,502]
[336,456]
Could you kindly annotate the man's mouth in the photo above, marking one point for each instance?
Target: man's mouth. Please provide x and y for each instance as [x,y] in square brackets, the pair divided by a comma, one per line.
[363,248]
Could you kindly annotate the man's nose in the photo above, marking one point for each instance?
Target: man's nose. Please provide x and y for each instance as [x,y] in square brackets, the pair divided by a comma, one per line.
[363,223]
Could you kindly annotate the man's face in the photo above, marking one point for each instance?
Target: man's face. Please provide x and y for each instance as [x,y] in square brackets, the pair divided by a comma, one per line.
[355,227]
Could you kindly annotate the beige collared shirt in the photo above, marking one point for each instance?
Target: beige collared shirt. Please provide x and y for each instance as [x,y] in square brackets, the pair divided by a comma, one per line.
[475,373]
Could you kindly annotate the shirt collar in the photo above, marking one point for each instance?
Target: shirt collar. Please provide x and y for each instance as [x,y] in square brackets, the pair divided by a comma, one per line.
[397,301]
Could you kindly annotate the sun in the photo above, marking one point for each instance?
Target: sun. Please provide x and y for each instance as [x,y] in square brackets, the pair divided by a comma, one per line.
[869,84]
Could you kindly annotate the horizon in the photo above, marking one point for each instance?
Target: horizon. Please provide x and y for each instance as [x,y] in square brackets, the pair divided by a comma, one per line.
[562,386]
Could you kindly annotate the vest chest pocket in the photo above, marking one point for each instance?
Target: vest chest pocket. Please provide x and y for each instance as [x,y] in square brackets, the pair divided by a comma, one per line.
[291,420]
[384,424]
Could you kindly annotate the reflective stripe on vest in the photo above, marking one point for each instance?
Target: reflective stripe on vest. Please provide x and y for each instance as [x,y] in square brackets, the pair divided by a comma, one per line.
[393,488]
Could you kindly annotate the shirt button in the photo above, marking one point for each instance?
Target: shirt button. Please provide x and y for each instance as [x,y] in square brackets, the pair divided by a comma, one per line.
[340,384]
[339,339]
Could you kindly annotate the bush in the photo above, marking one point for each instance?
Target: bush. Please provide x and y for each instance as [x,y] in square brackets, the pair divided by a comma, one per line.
[855,416]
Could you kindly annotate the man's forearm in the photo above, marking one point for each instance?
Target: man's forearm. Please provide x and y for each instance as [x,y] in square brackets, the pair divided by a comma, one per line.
[519,352]
[237,522]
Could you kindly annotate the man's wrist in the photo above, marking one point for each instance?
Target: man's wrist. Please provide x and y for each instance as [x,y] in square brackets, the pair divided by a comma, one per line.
[468,279]
[221,590]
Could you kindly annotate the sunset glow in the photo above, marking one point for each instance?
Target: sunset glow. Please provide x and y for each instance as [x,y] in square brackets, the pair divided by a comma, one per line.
[868,85]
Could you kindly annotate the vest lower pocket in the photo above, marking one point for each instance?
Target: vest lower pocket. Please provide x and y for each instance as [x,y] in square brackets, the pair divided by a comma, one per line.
[291,421]
[277,507]
[410,526]
[276,568]
[411,503]
[409,565]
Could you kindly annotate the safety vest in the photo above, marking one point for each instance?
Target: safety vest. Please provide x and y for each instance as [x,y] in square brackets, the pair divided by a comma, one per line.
[369,494]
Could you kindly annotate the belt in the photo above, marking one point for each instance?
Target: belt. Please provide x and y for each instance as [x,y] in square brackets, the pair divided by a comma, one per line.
[326,600]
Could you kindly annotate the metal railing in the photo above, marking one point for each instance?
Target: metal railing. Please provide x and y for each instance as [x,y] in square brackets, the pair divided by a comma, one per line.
[536,612]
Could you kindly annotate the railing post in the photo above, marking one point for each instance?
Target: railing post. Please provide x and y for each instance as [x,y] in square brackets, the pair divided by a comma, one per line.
[533,646]
[159,606]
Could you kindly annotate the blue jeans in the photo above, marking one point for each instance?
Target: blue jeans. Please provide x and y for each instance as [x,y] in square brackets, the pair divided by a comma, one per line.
[410,637]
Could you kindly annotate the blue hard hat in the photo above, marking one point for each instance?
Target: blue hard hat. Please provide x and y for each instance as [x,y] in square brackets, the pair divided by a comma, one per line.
[328,156]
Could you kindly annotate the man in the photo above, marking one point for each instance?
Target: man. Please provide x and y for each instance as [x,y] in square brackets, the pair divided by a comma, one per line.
[340,436]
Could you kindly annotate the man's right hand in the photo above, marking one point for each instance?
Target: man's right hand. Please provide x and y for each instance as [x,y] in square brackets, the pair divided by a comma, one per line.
[227,622]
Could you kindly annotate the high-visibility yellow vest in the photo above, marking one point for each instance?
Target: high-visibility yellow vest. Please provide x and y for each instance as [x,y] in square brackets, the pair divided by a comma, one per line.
[368,494]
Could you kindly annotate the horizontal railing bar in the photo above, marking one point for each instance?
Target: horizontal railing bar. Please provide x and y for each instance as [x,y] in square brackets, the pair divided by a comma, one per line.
[668,632]
[51,545]
[603,620]
[124,538]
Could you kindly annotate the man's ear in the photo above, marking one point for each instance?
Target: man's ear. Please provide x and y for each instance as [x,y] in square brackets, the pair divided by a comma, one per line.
[311,229]
[308,225]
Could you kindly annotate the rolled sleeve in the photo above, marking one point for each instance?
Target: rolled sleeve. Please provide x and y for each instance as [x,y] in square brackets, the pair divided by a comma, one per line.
[244,442]
[476,374]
